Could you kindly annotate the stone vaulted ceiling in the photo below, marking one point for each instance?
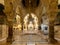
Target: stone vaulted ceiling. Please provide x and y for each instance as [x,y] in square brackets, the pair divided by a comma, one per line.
[34,6]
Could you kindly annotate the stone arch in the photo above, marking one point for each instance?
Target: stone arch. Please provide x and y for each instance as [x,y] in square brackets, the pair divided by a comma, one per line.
[17,19]
[17,23]
[31,19]
[17,11]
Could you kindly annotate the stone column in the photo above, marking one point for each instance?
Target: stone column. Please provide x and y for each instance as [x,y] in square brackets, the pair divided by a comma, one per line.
[51,32]
[10,31]
[22,23]
[52,15]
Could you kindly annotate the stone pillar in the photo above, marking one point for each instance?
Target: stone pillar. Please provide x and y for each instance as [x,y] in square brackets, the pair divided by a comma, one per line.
[51,32]
[52,16]
[10,31]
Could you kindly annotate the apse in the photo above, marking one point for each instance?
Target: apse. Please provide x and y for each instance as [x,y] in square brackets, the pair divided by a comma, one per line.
[30,22]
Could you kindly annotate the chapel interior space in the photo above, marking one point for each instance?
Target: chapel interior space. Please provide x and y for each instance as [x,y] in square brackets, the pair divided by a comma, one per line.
[29,21]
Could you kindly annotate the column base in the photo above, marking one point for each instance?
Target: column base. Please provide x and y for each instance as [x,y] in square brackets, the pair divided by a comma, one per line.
[52,41]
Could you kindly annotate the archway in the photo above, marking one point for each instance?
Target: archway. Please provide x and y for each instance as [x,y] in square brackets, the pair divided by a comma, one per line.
[17,23]
[17,20]
[30,22]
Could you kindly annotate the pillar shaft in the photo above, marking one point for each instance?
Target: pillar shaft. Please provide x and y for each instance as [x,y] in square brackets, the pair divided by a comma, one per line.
[10,31]
[51,31]
[52,16]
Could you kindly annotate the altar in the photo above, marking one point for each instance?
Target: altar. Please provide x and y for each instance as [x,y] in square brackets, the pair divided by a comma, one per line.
[30,24]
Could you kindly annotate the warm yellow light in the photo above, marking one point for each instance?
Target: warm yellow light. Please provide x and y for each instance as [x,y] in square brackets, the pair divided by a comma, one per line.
[18,19]
[30,26]
[19,27]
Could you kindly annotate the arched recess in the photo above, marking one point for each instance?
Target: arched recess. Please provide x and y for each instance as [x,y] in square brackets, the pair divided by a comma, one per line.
[30,22]
[17,20]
